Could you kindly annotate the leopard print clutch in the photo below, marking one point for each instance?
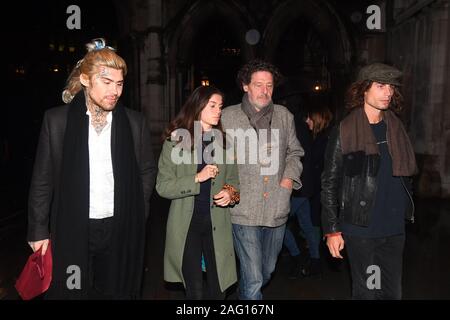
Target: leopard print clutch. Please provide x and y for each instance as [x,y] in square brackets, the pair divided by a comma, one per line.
[235,196]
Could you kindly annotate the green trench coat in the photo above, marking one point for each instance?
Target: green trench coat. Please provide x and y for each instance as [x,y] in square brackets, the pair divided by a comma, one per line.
[176,182]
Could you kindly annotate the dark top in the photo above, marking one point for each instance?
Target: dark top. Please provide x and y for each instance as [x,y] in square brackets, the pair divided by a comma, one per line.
[202,200]
[317,165]
[388,213]
[305,138]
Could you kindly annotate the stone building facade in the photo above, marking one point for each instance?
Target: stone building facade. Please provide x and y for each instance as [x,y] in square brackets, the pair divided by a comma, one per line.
[334,39]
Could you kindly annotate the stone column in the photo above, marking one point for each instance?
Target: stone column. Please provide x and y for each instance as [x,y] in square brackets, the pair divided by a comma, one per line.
[445,138]
[152,71]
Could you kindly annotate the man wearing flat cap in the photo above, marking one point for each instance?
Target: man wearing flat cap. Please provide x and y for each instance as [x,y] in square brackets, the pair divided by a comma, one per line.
[366,184]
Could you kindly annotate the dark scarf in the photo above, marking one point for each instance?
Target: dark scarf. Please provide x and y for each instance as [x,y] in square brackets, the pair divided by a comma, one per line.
[258,120]
[71,231]
[356,135]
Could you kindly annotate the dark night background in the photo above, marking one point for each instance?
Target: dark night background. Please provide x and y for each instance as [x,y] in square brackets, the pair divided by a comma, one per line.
[38,53]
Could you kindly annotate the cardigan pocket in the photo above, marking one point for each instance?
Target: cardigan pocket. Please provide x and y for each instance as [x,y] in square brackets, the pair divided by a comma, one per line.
[283,202]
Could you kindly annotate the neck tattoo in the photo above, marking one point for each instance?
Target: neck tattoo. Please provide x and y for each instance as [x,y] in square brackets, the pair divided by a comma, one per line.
[98,116]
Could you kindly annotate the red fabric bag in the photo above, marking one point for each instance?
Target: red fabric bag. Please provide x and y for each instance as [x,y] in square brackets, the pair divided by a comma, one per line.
[36,275]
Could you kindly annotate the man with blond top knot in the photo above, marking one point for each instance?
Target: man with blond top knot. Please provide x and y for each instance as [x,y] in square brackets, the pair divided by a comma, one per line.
[93,176]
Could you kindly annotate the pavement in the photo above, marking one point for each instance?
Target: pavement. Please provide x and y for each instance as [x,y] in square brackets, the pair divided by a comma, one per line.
[426,260]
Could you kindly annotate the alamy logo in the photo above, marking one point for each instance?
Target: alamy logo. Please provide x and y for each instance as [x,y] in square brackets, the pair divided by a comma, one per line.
[374,281]
[241,146]
[374,20]
[74,280]
[74,20]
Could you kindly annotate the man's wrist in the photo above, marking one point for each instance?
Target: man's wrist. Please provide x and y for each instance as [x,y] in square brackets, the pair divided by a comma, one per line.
[287,183]
[333,234]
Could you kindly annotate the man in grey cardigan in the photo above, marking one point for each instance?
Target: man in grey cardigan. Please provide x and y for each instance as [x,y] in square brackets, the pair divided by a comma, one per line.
[267,175]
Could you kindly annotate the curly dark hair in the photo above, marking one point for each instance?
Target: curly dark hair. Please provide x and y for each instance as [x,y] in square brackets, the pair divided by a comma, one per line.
[244,75]
[355,96]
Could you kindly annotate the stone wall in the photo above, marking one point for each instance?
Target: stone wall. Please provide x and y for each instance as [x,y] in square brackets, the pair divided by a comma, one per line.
[415,38]
[418,44]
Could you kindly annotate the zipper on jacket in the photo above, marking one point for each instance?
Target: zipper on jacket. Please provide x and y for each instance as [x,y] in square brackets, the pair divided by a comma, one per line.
[410,198]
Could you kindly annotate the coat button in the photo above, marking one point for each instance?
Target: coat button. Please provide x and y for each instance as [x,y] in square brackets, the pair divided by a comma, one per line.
[350,157]
[214,228]
[362,203]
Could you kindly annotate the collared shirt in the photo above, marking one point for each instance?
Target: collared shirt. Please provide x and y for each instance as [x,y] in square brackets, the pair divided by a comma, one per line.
[101,188]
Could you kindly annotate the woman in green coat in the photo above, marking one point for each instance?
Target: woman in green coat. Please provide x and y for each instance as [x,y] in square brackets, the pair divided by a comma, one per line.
[195,174]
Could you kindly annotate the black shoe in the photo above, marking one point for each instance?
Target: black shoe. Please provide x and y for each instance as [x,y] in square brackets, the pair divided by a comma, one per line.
[295,272]
[313,269]
[297,265]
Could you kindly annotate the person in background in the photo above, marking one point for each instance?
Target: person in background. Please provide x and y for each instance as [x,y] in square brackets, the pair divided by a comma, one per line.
[305,203]
[299,215]
[319,120]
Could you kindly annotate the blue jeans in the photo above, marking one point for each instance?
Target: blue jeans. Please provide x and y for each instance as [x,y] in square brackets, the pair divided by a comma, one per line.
[301,209]
[257,249]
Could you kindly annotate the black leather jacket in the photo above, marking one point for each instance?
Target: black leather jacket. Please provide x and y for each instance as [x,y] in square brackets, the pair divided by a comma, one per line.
[349,185]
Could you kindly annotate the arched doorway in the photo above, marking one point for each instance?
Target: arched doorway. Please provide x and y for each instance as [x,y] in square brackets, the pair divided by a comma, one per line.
[208,45]
[309,42]
[303,60]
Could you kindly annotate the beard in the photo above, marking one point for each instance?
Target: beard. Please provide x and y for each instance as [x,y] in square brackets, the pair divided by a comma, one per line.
[104,104]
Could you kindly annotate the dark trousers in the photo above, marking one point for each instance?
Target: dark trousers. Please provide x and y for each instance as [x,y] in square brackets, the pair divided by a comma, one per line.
[200,241]
[376,266]
[100,233]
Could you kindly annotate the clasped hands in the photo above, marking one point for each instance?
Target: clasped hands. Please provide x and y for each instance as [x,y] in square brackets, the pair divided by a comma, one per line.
[210,171]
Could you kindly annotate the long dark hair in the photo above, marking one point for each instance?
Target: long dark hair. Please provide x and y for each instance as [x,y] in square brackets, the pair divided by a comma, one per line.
[355,96]
[191,111]
[321,118]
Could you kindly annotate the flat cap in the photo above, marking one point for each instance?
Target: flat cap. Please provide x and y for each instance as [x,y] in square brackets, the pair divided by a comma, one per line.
[381,73]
